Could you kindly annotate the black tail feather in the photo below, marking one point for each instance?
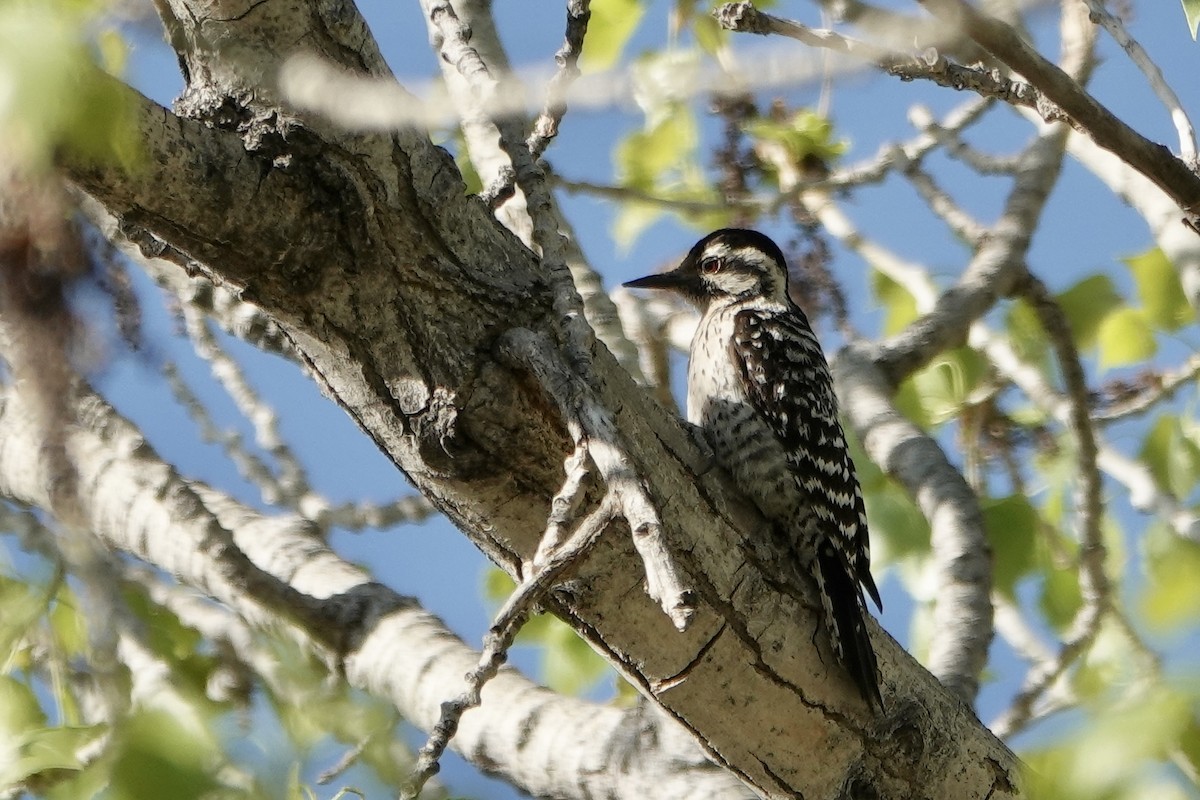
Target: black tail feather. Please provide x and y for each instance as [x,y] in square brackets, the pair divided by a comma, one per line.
[846,619]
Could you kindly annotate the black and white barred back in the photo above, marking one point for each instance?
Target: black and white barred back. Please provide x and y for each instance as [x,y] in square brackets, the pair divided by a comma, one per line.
[760,388]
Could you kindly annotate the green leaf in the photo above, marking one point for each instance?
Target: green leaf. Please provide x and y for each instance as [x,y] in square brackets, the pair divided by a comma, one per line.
[805,134]
[1125,338]
[1060,598]
[1191,9]
[1011,524]
[898,303]
[644,157]
[569,664]
[898,529]
[612,24]
[156,756]
[19,709]
[1026,333]
[54,95]
[1087,304]
[709,34]
[1172,456]
[47,749]
[1163,301]
[497,585]
[1171,597]
[908,402]
[946,383]
[1189,743]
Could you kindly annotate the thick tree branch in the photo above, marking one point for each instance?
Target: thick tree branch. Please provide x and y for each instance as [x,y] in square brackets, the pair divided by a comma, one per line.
[963,611]
[1152,160]
[743,17]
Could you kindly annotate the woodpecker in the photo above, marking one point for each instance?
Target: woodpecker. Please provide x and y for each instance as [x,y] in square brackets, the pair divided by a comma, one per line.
[760,390]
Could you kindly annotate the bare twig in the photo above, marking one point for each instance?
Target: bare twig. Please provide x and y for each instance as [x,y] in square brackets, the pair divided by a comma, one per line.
[1166,95]
[949,137]
[1071,409]
[500,636]
[563,506]
[743,17]
[545,128]
[1163,388]
[584,416]
[994,270]
[963,225]
[1093,582]
[1153,160]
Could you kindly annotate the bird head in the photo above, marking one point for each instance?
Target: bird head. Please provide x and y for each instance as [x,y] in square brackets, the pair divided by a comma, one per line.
[728,264]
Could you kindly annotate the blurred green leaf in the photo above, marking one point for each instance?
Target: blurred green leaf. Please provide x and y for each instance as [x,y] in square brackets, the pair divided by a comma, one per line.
[70,628]
[569,664]
[1191,10]
[612,24]
[156,756]
[23,604]
[1026,333]
[633,218]
[113,51]
[898,303]
[1172,456]
[54,96]
[1119,754]
[945,384]
[1011,524]
[1087,304]
[1125,338]
[709,34]
[1171,596]
[45,749]
[19,709]
[1060,599]
[1189,742]
[805,134]
[1163,301]
[644,156]
[898,529]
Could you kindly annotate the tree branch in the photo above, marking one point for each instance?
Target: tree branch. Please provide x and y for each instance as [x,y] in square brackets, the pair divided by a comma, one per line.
[1152,160]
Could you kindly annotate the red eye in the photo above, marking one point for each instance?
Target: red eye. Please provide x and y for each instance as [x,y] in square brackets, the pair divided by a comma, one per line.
[710,266]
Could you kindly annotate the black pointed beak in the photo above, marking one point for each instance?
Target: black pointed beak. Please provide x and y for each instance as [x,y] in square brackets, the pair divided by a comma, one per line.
[675,281]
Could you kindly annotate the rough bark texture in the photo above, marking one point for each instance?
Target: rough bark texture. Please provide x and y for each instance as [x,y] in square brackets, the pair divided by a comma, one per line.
[394,286]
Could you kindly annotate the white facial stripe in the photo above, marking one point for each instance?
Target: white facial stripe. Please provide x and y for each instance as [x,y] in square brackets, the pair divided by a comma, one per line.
[747,255]
[752,255]
[716,250]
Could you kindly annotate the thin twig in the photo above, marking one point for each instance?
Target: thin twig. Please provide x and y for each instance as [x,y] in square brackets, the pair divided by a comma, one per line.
[585,416]
[1153,160]
[500,637]
[545,128]
[1164,388]
[950,137]
[564,505]
[1072,409]
[938,201]
[1093,582]
[743,17]
[1166,95]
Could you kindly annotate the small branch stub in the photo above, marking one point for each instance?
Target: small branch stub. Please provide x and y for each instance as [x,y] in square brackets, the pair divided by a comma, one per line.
[587,418]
